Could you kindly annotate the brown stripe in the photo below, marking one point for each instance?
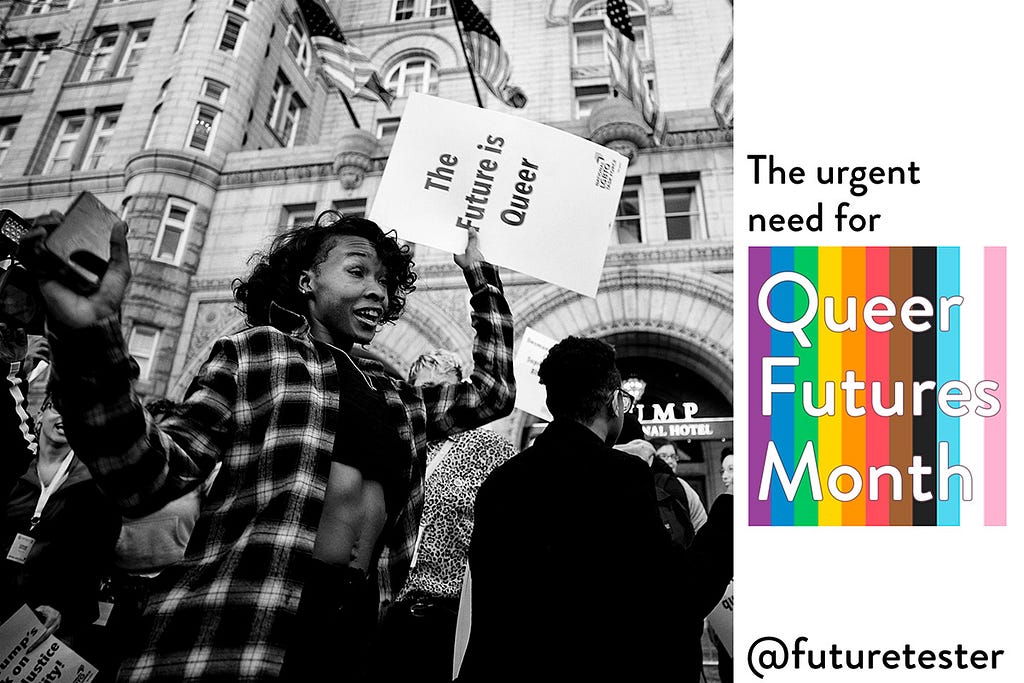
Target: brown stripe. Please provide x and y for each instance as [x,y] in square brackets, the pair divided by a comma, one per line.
[901,369]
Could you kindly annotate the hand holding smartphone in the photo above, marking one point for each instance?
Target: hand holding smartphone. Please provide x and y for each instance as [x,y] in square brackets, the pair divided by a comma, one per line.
[81,243]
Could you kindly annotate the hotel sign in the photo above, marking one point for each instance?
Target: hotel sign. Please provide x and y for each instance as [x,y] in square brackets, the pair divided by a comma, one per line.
[680,421]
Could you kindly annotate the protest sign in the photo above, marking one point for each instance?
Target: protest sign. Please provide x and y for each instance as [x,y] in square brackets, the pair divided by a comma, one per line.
[51,660]
[542,199]
[530,393]
[720,618]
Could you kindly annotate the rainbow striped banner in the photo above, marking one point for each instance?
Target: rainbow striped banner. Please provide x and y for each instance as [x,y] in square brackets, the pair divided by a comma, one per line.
[877,386]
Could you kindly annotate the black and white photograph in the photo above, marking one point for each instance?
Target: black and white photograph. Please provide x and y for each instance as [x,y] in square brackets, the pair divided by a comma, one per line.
[366,340]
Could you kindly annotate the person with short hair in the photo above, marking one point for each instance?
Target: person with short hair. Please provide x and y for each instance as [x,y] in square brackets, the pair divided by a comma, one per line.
[569,556]
[57,533]
[727,467]
[302,431]
[421,622]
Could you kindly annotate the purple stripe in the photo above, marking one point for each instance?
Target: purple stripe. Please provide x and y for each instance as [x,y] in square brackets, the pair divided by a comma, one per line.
[760,425]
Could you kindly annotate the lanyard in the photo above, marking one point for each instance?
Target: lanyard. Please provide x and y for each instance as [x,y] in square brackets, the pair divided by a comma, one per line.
[46,491]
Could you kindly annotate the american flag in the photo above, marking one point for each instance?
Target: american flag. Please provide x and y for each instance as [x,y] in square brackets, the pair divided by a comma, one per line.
[344,64]
[627,74]
[721,99]
[487,57]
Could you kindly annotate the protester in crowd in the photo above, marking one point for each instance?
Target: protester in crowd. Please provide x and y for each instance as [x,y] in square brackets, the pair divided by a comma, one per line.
[269,406]
[20,354]
[724,658]
[665,449]
[569,556]
[421,622]
[664,466]
[58,531]
[727,461]
[674,504]
[146,547]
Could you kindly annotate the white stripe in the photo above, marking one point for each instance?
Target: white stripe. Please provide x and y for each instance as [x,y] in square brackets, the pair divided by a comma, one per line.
[14,383]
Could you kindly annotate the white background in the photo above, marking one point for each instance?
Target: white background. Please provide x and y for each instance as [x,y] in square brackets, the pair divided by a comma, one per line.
[883,83]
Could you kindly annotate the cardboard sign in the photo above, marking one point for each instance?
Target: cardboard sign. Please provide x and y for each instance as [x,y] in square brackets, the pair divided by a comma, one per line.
[542,199]
[51,660]
[531,395]
[720,618]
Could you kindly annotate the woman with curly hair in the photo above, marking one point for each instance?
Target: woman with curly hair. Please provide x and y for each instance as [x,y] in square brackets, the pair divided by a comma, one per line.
[321,453]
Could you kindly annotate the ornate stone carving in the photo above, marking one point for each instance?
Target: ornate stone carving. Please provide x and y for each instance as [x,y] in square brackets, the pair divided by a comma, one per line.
[172,162]
[212,319]
[699,138]
[616,124]
[354,158]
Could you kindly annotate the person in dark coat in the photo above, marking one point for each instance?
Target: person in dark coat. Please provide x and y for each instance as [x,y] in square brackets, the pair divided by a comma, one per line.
[58,532]
[569,556]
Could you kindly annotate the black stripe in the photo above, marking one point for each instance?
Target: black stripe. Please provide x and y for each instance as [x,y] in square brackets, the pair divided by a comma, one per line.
[924,371]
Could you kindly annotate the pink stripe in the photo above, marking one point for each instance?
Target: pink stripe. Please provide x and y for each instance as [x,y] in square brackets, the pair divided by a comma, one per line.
[877,370]
[995,370]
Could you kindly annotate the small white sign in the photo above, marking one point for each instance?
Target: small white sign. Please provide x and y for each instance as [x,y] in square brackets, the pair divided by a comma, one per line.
[51,660]
[531,395]
[542,199]
[720,618]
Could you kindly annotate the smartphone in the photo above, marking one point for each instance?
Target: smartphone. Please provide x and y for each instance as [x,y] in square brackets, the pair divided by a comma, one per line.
[82,243]
[12,228]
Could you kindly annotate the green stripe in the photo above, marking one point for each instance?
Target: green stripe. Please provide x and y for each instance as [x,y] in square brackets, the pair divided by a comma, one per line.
[805,427]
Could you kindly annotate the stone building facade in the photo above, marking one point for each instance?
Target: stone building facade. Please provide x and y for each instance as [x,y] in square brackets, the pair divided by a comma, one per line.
[208,125]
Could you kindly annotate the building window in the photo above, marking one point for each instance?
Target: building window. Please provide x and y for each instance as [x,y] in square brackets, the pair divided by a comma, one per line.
[683,215]
[184,33]
[152,127]
[40,6]
[290,121]
[142,347]
[588,49]
[38,67]
[101,136]
[64,145]
[386,128]
[231,32]
[277,96]
[242,5]
[297,215]
[350,207]
[97,65]
[7,131]
[404,9]
[628,217]
[588,33]
[297,43]
[133,53]
[215,90]
[587,97]
[438,8]
[204,127]
[170,240]
[417,74]
[10,75]
[284,111]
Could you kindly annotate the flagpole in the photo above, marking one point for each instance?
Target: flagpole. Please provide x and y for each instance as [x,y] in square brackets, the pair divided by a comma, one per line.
[348,106]
[469,66]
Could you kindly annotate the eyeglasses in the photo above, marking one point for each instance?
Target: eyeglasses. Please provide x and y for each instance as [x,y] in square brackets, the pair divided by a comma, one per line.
[626,399]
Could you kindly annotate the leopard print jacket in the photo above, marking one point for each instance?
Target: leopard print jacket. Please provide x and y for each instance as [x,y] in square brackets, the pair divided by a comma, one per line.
[448,511]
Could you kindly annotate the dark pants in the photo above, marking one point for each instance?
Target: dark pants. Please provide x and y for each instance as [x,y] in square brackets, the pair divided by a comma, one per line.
[335,623]
[417,641]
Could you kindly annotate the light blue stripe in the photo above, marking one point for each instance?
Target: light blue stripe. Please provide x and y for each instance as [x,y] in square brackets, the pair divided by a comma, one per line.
[947,367]
[782,306]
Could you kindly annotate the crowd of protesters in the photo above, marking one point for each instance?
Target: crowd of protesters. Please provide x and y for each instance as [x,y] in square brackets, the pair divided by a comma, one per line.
[302,514]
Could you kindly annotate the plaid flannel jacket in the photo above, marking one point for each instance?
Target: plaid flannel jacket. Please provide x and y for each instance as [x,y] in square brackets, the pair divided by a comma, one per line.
[265,405]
